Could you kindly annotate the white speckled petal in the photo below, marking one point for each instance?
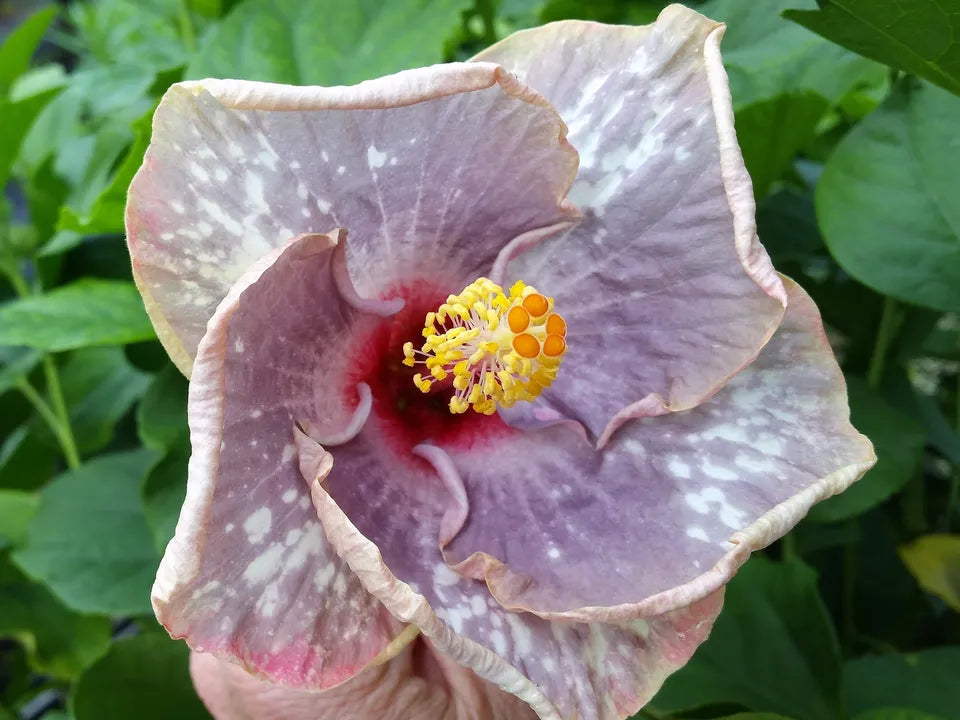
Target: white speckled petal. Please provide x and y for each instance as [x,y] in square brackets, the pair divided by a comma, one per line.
[418,684]
[249,575]
[664,285]
[671,507]
[384,520]
[433,170]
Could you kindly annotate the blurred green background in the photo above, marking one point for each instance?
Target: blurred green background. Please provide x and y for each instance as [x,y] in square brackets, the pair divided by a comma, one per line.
[849,120]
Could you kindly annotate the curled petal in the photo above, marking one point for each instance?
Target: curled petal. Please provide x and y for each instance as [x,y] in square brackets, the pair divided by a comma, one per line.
[384,518]
[434,170]
[249,575]
[664,285]
[665,514]
[419,684]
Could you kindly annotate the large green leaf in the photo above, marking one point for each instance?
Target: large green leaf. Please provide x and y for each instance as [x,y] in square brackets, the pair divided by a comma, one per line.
[926,681]
[60,642]
[162,414]
[90,542]
[327,42]
[164,491]
[934,560]
[87,128]
[895,713]
[15,363]
[772,649]
[26,461]
[887,199]
[18,118]
[148,33]
[17,50]
[772,131]
[106,213]
[17,508]
[917,36]
[99,386]
[898,440]
[765,55]
[87,312]
[148,673]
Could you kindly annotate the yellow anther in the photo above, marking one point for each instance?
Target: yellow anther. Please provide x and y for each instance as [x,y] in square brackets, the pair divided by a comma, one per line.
[408,356]
[513,344]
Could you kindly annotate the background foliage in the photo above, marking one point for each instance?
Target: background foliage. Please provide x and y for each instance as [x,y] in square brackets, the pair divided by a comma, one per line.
[848,116]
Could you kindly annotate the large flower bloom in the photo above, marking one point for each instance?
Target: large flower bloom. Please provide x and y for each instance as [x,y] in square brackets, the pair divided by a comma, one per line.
[573,549]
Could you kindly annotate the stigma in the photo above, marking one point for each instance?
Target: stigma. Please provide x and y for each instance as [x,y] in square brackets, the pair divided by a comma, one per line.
[494,348]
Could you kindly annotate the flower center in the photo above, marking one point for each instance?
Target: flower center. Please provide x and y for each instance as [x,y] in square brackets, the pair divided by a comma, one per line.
[497,348]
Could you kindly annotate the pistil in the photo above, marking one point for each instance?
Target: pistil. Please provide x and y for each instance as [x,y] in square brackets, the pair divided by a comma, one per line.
[496,348]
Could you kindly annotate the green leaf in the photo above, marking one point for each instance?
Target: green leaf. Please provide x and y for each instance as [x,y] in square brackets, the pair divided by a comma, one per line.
[895,713]
[766,56]
[886,199]
[83,313]
[153,34]
[162,414]
[87,127]
[162,423]
[164,491]
[635,12]
[327,42]
[18,118]
[925,681]
[26,461]
[60,642]
[99,387]
[916,36]
[773,649]
[15,363]
[17,508]
[106,213]
[934,560]
[46,192]
[772,131]
[147,672]
[754,716]
[89,542]
[17,50]
[898,440]
[210,8]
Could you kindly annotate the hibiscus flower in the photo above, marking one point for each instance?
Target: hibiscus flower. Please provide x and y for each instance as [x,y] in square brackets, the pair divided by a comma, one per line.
[444,382]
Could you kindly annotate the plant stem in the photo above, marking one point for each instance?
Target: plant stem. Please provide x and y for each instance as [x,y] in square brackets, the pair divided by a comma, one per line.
[186,27]
[16,281]
[886,332]
[954,496]
[889,324]
[60,408]
[487,14]
[59,430]
[57,418]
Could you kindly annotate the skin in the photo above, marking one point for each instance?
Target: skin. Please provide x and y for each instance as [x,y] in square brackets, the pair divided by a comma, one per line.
[418,684]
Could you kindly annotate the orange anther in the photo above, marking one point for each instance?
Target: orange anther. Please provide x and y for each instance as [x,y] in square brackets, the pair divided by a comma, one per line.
[556,325]
[536,304]
[526,345]
[554,345]
[518,319]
